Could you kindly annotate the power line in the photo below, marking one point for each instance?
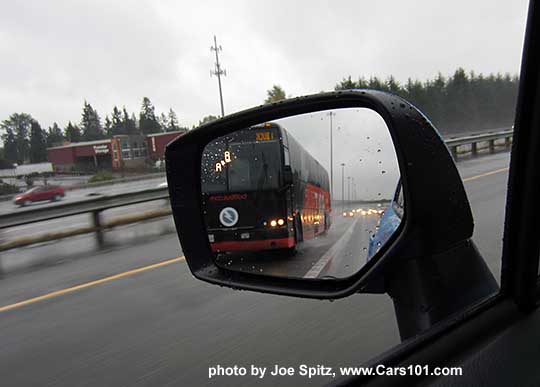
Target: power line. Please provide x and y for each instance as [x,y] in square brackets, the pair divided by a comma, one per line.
[218,71]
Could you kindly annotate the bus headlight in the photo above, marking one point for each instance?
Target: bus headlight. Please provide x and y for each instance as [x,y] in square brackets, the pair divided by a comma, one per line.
[273,223]
[280,222]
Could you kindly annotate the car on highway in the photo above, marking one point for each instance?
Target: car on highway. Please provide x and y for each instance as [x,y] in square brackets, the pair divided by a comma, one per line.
[40,193]
[388,223]
[348,214]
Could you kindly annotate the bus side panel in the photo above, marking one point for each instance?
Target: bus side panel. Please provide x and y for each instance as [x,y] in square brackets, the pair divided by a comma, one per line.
[311,190]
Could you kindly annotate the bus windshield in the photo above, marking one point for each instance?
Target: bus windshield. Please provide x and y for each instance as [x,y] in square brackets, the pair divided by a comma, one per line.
[241,166]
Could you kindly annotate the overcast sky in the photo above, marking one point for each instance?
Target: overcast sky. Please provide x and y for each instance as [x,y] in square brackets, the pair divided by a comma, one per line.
[56,54]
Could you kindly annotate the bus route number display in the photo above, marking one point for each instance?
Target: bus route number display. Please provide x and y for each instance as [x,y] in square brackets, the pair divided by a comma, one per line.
[264,136]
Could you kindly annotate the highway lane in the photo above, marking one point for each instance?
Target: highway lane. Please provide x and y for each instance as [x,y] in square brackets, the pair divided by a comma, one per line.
[85,193]
[162,327]
[339,253]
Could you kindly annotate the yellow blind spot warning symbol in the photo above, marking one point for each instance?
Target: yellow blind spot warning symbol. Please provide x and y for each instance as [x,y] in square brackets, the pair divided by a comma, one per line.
[228,216]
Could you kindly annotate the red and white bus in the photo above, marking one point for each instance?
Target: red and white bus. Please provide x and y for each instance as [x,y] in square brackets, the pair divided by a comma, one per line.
[262,191]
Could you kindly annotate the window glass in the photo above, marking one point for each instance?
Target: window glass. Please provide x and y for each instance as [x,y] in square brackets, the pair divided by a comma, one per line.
[75,75]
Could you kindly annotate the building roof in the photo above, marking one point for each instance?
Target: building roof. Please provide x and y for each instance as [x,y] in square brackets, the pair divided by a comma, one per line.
[166,133]
[82,143]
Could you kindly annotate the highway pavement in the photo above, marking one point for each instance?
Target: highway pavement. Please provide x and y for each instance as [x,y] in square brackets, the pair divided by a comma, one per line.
[132,314]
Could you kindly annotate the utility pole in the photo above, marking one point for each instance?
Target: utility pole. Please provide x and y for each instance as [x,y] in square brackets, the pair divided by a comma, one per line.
[331,114]
[349,190]
[218,71]
[342,187]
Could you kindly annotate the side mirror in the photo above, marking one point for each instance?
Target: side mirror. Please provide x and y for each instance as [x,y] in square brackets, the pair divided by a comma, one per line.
[287,175]
[238,230]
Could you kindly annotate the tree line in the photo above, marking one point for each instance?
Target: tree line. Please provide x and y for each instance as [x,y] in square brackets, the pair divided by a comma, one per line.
[463,102]
[26,141]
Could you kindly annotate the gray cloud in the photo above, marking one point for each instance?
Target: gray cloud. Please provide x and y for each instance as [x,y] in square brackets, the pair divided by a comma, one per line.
[56,54]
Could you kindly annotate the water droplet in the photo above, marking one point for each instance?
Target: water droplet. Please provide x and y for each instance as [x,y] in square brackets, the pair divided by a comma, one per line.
[383,172]
[378,150]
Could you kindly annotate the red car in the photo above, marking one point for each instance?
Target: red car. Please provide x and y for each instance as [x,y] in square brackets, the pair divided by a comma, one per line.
[38,194]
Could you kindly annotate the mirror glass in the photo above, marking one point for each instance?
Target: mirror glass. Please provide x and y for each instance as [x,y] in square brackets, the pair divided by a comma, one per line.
[308,196]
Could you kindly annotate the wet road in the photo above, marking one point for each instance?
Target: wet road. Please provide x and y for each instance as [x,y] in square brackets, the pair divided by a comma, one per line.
[158,326]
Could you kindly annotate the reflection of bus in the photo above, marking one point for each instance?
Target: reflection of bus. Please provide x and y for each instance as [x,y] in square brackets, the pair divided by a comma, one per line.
[262,190]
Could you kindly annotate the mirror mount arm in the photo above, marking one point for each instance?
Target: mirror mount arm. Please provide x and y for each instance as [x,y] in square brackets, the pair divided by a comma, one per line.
[430,289]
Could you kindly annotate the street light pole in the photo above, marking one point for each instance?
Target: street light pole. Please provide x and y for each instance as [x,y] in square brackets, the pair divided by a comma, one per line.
[331,114]
[343,187]
[349,190]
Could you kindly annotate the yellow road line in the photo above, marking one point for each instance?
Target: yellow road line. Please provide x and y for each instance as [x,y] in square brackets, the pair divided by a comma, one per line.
[486,174]
[89,284]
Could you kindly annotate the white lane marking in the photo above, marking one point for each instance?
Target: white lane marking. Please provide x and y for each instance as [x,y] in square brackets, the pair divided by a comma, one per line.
[332,252]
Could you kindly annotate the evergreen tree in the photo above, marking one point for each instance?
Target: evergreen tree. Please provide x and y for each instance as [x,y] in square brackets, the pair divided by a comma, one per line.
[73,133]
[148,122]
[392,85]
[346,84]
[107,126]
[458,104]
[10,145]
[163,122]
[91,124]
[172,120]
[55,136]
[38,143]
[276,93]
[135,124]
[207,119]
[17,128]
[129,123]
[117,123]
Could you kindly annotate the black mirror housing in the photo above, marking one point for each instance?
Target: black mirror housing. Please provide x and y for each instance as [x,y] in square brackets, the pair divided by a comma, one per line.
[437,217]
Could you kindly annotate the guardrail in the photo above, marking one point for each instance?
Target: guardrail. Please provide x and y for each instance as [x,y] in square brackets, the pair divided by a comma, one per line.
[93,206]
[474,140]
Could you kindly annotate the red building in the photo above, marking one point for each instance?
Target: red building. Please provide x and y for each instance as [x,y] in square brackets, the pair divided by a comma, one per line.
[157,142]
[120,152]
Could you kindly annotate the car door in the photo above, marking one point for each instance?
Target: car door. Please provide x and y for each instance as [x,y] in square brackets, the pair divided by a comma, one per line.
[39,194]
